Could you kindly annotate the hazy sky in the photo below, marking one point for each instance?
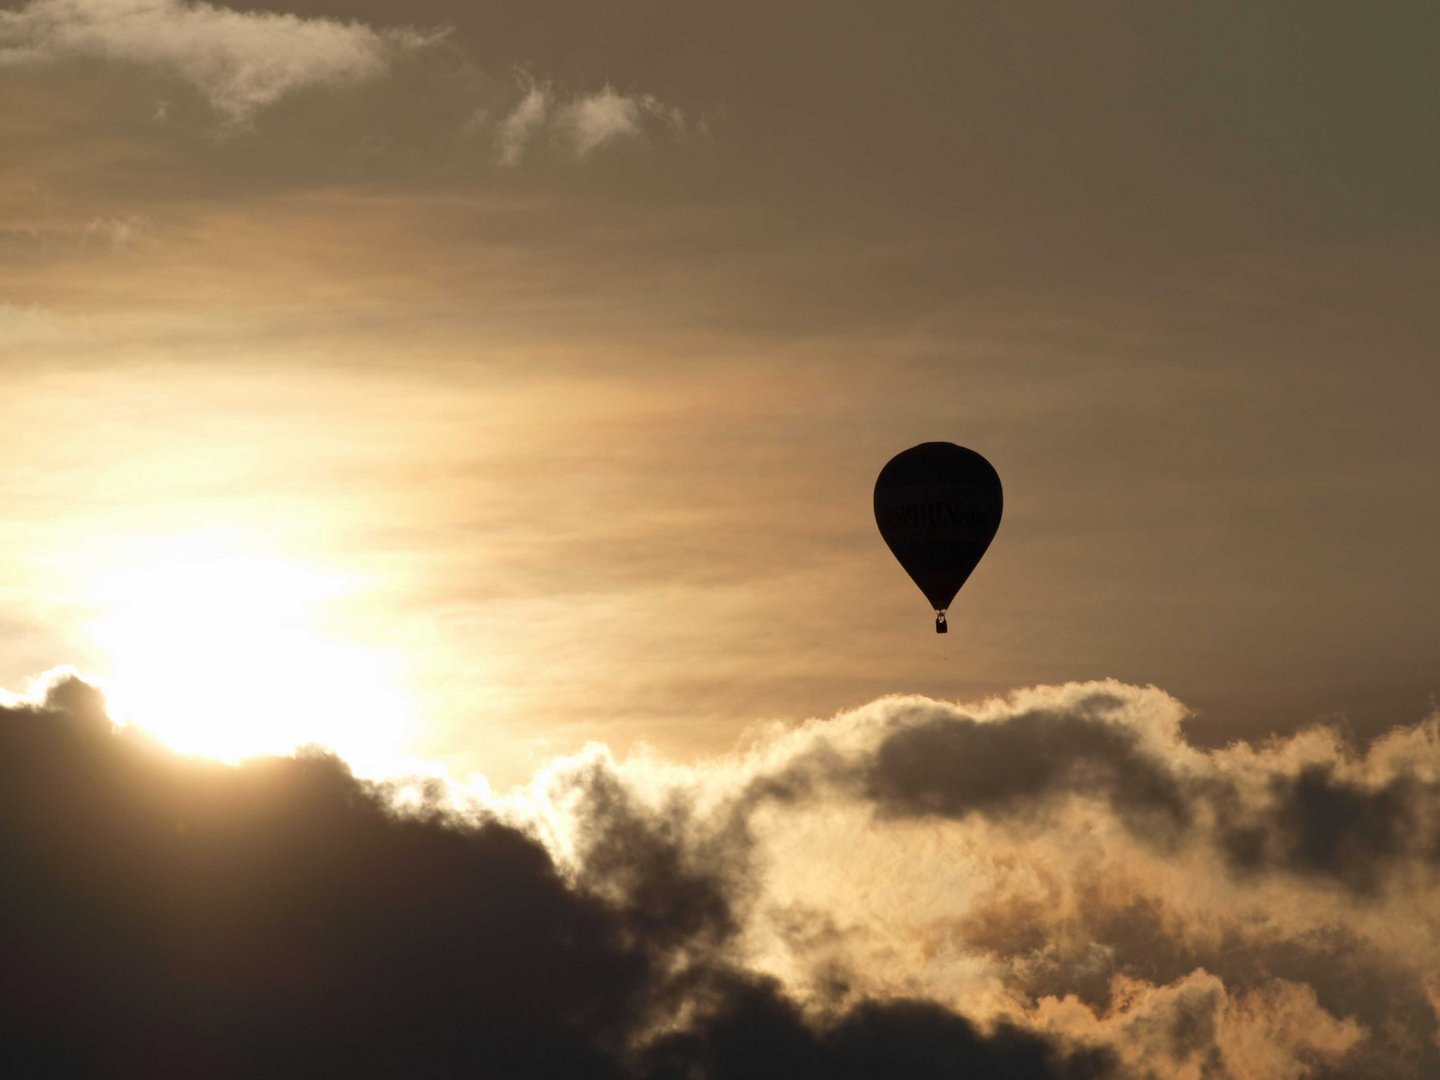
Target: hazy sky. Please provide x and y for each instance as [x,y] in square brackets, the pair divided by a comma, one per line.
[568,340]
[499,388]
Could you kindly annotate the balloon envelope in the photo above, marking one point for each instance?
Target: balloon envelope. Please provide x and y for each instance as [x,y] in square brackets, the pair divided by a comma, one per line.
[938,506]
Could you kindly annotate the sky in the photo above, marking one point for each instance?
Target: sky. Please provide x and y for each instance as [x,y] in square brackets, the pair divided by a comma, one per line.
[495,392]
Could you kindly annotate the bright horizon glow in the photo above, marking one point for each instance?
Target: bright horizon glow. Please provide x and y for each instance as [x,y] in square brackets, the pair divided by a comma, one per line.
[218,651]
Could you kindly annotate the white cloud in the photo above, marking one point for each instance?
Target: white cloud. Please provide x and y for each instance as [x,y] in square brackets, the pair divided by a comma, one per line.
[603,117]
[241,61]
[581,125]
[517,129]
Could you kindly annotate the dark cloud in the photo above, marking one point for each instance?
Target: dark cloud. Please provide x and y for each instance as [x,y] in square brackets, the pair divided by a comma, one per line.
[1319,823]
[1306,818]
[954,766]
[1146,940]
[751,1029]
[166,916]
[1249,912]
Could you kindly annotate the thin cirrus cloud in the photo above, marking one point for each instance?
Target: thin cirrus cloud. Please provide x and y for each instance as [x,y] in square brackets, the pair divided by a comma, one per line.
[1053,884]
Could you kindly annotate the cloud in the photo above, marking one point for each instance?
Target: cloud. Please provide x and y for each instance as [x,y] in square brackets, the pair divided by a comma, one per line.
[283,916]
[953,765]
[1065,861]
[582,124]
[601,118]
[244,62]
[1196,1027]
[517,128]
[240,61]
[1309,806]
[752,1030]
[1041,885]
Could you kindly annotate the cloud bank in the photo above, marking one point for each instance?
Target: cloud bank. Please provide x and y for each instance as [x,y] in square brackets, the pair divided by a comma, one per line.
[1056,884]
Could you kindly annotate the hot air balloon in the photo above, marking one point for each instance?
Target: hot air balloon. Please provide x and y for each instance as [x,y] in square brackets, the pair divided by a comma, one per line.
[938,506]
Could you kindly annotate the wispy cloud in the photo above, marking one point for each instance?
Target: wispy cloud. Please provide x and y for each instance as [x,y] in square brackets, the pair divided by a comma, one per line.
[244,62]
[600,118]
[240,61]
[519,126]
[581,124]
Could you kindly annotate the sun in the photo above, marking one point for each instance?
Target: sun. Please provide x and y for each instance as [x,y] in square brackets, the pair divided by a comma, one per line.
[230,653]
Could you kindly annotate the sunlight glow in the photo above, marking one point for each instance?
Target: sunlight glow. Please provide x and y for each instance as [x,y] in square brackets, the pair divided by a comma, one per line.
[223,652]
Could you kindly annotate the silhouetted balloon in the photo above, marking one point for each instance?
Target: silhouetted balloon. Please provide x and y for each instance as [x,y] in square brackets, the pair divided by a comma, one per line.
[938,506]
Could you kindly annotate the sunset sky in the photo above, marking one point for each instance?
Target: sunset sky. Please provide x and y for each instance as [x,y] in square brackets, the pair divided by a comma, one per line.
[457,384]
[572,338]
